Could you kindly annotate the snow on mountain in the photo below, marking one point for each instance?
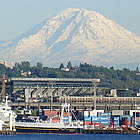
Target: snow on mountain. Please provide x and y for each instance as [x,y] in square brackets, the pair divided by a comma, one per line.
[77,35]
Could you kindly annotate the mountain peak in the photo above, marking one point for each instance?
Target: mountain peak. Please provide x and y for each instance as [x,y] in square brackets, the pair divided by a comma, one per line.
[69,10]
[78,35]
[76,10]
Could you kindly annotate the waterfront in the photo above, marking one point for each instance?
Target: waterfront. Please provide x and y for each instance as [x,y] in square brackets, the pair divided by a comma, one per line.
[70,137]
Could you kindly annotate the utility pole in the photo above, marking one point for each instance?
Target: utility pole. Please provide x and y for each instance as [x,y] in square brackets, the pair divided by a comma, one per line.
[94,96]
[51,96]
[95,82]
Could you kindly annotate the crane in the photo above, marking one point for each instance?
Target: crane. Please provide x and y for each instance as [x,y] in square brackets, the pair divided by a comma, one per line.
[3,79]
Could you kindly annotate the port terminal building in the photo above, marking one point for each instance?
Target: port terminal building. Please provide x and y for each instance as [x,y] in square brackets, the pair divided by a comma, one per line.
[26,89]
[80,93]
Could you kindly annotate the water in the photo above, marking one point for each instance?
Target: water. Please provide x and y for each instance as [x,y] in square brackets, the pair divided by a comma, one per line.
[70,137]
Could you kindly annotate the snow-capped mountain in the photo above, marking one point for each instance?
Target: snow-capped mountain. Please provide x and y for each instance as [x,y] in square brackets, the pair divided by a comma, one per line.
[75,35]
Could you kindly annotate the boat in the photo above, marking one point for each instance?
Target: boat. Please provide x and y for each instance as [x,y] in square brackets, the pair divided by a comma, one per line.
[62,127]
[7,116]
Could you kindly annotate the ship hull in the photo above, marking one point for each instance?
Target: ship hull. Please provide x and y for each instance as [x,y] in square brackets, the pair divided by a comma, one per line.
[21,129]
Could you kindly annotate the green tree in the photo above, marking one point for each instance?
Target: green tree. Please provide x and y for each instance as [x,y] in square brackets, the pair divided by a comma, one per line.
[137,69]
[61,66]
[69,65]
[37,70]
[24,66]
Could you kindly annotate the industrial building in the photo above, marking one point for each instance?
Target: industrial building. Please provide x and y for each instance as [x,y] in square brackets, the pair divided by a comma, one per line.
[78,92]
[27,89]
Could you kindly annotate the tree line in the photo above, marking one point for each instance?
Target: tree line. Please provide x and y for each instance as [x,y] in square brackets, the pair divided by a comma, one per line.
[118,79]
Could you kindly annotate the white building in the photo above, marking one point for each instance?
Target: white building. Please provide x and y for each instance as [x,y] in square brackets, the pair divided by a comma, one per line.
[7,64]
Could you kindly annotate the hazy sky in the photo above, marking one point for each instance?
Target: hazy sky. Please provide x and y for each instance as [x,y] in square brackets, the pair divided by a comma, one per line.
[18,16]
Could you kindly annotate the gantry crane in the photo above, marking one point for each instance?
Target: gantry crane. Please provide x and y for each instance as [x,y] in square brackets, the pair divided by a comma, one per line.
[3,79]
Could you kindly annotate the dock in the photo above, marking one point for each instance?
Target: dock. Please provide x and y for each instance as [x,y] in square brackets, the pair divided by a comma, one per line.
[107,131]
[7,132]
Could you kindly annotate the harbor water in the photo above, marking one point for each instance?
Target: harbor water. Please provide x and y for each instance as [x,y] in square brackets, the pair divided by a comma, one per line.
[70,137]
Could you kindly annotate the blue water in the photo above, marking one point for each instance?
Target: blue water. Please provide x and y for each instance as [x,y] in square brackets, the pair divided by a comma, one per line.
[70,137]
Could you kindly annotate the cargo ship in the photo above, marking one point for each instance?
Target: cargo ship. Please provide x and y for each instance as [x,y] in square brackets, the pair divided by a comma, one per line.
[64,125]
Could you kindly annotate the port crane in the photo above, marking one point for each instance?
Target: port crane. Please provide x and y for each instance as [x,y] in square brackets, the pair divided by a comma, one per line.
[3,80]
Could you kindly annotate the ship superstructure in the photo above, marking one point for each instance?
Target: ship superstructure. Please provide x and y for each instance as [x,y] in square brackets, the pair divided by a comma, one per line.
[65,125]
[7,116]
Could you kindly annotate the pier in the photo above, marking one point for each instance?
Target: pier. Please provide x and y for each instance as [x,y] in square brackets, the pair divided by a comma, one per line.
[107,131]
[7,132]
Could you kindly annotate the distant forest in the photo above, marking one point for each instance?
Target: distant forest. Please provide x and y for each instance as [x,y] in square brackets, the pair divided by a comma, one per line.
[111,78]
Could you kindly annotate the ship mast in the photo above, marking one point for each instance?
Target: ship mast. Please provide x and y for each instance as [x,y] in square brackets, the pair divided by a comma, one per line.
[65,106]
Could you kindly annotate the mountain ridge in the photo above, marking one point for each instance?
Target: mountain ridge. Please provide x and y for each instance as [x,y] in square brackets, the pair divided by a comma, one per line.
[78,36]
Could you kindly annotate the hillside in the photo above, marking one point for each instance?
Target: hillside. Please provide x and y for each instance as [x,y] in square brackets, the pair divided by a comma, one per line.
[111,78]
